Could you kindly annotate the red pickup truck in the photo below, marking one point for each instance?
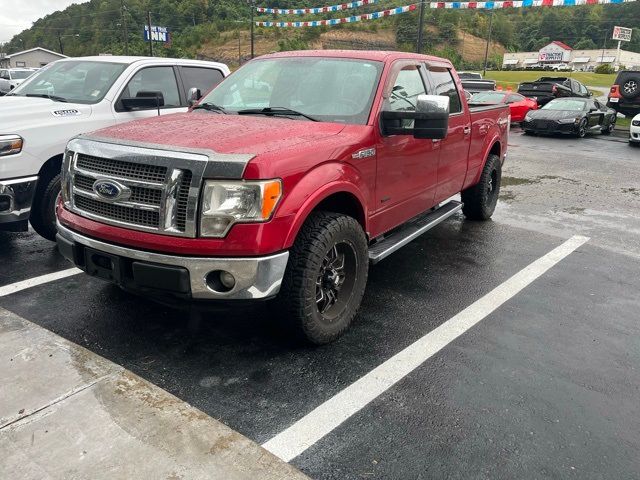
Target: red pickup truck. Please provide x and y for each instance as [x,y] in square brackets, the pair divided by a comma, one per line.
[285,182]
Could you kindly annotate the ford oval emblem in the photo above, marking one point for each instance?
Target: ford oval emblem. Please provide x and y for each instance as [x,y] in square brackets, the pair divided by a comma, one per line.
[111,190]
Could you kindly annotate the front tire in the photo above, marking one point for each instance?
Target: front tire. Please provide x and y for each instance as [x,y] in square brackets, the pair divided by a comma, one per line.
[43,209]
[480,200]
[582,129]
[325,278]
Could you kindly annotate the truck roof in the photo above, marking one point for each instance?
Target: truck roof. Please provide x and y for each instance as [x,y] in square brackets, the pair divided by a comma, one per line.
[131,59]
[373,55]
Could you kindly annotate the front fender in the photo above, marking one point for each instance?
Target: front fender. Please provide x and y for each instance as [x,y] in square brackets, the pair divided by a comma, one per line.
[317,185]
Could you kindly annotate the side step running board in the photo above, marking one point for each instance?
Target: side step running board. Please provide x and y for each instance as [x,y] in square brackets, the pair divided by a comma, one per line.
[413,229]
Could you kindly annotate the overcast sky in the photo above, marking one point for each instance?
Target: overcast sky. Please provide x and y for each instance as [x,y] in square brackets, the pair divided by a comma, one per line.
[17,15]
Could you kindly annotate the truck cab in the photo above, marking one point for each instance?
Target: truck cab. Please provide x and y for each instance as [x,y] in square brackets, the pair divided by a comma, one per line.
[285,182]
[74,96]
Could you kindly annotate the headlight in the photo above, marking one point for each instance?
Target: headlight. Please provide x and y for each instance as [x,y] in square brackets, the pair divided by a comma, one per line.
[226,203]
[569,120]
[10,145]
[528,118]
[636,123]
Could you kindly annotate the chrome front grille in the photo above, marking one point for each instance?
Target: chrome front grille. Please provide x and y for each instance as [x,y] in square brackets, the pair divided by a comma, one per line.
[117,168]
[158,189]
[132,216]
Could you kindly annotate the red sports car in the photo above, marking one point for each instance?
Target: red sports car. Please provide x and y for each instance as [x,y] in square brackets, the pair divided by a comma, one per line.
[518,104]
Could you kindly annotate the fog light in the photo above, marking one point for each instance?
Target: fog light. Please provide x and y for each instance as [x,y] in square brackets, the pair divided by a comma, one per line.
[227,280]
[5,203]
[220,281]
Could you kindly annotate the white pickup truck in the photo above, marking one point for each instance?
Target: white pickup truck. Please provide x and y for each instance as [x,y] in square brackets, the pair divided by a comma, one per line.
[74,96]
[10,78]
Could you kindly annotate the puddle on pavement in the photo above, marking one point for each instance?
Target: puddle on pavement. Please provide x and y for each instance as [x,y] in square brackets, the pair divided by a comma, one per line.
[514,181]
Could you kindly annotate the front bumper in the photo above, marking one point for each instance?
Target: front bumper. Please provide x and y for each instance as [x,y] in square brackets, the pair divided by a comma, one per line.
[634,135]
[184,277]
[550,127]
[16,197]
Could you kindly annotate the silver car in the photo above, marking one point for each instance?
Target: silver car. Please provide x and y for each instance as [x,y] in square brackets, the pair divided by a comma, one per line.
[10,78]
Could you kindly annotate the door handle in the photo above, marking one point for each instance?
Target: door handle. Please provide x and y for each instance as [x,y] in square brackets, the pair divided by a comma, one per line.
[467,130]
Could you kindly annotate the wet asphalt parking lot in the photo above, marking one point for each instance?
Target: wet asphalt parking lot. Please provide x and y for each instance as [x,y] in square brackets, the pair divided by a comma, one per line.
[545,385]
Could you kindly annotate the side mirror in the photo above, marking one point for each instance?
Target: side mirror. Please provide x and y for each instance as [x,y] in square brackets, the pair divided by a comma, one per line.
[143,100]
[430,119]
[193,96]
[591,94]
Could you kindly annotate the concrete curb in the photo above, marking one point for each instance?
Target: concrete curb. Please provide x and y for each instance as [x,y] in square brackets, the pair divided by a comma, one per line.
[66,412]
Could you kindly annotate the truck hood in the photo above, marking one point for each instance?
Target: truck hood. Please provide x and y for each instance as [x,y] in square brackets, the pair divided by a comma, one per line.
[18,112]
[250,134]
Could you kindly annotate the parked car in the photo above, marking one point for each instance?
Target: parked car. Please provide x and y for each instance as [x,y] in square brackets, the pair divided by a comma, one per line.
[518,104]
[634,131]
[289,191]
[74,96]
[473,82]
[573,116]
[561,67]
[624,96]
[10,78]
[534,66]
[546,89]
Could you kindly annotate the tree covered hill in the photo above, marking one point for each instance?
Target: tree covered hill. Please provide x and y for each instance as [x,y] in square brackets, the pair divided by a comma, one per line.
[98,26]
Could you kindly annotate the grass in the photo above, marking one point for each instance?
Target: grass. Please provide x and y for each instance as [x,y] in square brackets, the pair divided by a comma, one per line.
[509,79]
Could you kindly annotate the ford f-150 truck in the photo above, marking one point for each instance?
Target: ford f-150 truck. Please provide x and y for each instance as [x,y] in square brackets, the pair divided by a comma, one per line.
[287,180]
[73,96]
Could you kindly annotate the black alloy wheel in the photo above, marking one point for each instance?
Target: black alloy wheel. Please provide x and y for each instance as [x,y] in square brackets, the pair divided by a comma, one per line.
[336,279]
[608,130]
[582,128]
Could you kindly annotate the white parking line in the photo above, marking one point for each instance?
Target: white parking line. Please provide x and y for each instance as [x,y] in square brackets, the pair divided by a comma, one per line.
[319,422]
[33,282]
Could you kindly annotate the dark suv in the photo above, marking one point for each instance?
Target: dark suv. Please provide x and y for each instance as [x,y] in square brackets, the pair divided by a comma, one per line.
[624,96]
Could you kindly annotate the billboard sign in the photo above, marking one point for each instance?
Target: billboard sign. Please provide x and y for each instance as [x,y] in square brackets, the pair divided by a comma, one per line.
[158,34]
[622,34]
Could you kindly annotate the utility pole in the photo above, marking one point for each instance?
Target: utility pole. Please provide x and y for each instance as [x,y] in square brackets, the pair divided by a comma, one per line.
[252,5]
[150,39]
[486,50]
[239,51]
[126,32]
[60,43]
[420,27]
[604,46]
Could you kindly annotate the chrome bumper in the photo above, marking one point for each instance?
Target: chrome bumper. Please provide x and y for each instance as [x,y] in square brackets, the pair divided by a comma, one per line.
[256,278]
[16,197]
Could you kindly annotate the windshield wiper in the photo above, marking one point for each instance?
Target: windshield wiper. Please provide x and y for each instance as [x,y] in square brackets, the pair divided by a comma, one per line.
[210,107]
[55,98]
[276,111]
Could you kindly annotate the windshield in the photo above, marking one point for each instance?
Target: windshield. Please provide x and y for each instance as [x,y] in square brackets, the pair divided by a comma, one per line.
[569,105]
[488,97]
[20,74]
[74,81]
[326,89]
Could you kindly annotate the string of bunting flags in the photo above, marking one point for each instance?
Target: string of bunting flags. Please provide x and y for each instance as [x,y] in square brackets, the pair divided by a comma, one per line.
[327,9]
[491,5]
[336,21]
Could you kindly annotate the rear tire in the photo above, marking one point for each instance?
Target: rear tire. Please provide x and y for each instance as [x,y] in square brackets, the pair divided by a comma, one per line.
[325,278]
[608,130]
[480,200]
[43,209]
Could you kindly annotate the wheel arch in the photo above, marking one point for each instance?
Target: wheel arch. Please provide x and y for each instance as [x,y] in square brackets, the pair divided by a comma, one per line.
[339,197]
[49,169]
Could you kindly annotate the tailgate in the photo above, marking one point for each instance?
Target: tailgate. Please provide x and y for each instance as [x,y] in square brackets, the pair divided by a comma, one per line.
[534,89]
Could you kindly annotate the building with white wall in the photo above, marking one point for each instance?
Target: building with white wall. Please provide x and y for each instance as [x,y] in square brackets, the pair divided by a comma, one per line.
[32,58]
[558,52]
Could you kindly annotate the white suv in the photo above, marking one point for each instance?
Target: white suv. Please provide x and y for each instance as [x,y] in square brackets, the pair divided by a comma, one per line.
[634,131]
[74,96]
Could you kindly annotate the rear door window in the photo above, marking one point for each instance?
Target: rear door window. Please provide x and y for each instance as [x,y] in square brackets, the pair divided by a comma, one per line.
[443,84]
[204,79]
